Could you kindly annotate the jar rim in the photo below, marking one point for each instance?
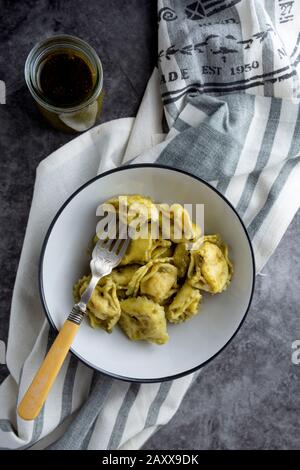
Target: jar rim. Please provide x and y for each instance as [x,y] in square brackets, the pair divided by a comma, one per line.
[50,44]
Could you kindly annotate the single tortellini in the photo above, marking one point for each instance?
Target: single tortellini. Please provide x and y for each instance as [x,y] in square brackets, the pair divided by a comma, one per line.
[133,206]
[161,249]
[181,259]
[185,304]
[196,242]
[103,308]
[138,251]
[176,224]
[157,279]
[121,276]
[210,268]
[143,319]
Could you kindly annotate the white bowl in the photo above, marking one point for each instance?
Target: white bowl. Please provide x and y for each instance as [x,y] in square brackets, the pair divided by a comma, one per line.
[64,259]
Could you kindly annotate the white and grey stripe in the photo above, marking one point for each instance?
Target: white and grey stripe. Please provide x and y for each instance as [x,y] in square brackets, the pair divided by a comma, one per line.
[263,156]
[86,417]
[120,423]
[157,403]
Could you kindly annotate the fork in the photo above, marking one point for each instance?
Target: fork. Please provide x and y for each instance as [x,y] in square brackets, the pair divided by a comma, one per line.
[106,256]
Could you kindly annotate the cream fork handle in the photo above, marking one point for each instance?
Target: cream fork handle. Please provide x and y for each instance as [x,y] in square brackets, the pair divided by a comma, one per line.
[36,395]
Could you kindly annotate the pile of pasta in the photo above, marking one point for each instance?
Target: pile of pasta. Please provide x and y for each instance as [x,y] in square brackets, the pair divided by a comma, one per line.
[159,280]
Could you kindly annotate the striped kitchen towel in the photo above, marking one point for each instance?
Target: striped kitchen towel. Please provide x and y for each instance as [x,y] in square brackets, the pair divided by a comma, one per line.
[226,87]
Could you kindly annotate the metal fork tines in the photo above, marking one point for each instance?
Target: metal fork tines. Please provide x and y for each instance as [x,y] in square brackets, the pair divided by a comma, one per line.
[106,255]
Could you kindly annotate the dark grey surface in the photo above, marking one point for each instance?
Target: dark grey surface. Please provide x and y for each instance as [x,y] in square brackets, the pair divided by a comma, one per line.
[249,396]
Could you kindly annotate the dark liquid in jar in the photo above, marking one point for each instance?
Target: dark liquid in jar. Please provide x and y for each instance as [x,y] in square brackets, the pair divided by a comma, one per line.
[65,79]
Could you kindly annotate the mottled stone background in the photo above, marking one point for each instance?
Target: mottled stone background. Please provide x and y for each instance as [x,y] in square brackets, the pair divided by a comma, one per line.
[247,398]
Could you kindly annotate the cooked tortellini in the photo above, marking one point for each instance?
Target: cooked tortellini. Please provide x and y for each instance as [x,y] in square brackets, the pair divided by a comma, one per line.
[139,251]
[161,249]
[161,276]
[142,318]
[181,259]
[121,276]
[131,207]
[210,268]
[157,279]
[185,304]
[104,307]
[176,223]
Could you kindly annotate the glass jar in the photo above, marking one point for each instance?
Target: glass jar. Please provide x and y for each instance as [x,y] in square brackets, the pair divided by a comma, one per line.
[44,68]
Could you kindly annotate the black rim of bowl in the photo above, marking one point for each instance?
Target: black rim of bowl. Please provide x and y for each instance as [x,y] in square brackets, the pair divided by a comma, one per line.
[41,287]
